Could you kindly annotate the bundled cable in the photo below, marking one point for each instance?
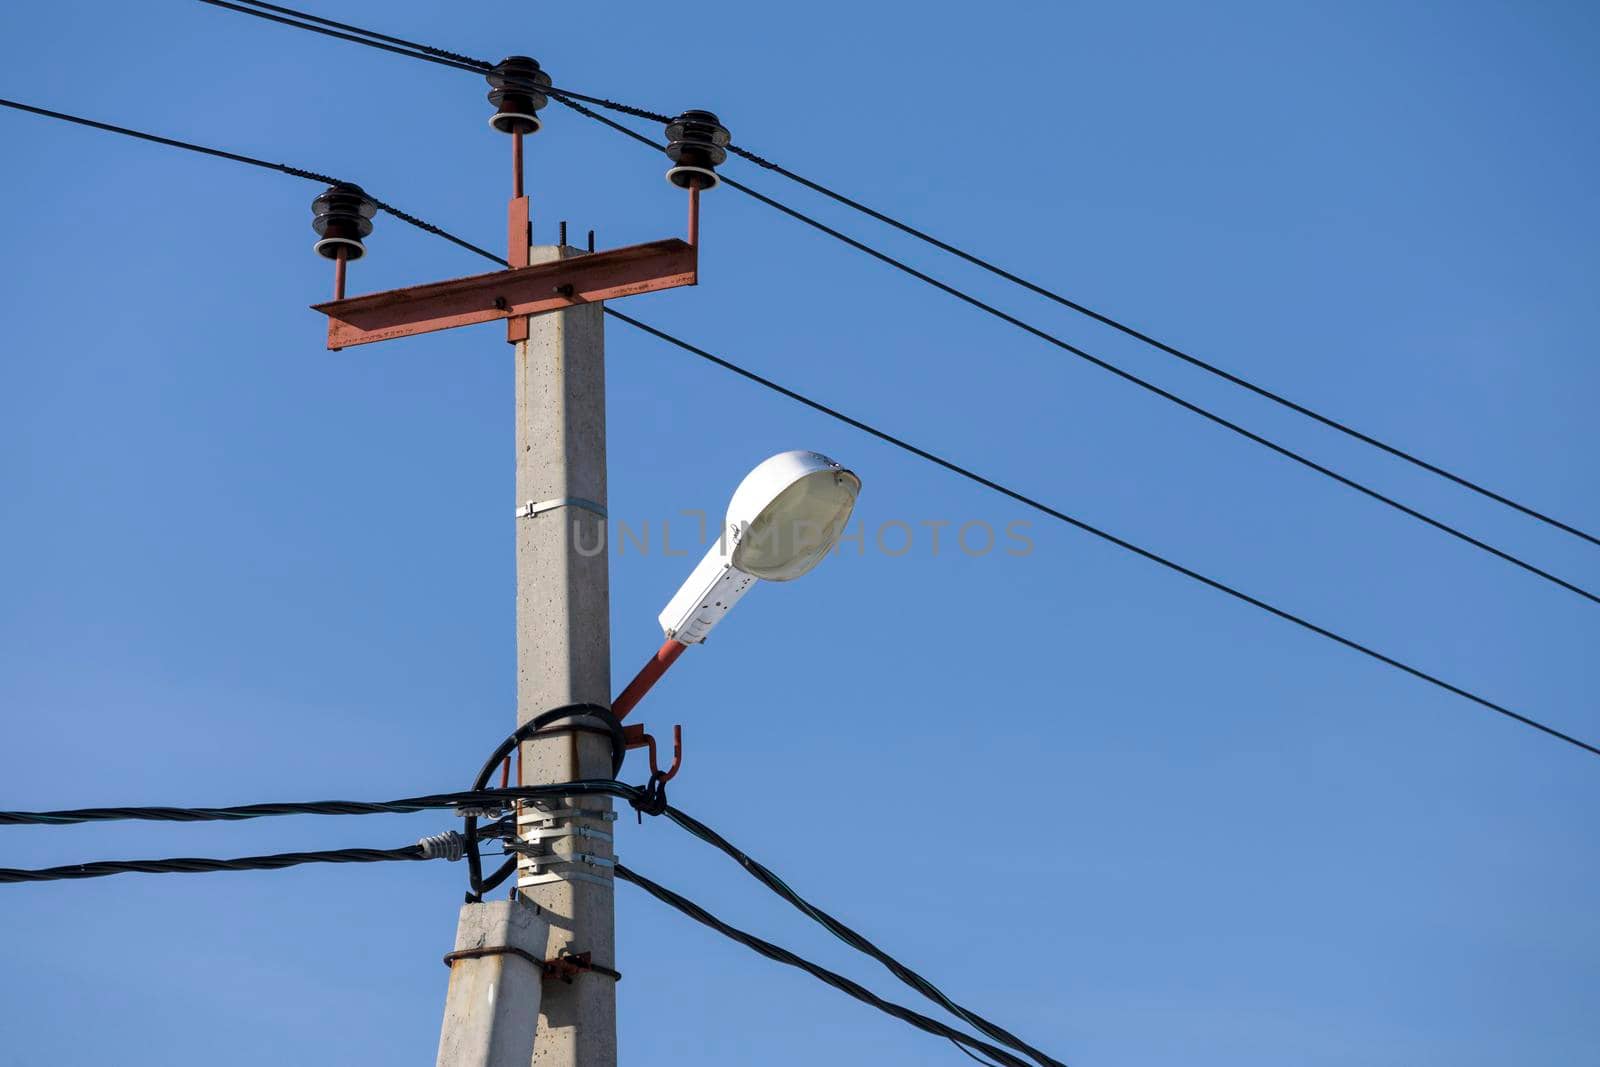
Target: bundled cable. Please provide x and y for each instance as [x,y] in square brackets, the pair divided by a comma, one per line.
[450,846]
[570,717]
[454,846]
[464,801]
[855,940]
[447,846]
[838,981]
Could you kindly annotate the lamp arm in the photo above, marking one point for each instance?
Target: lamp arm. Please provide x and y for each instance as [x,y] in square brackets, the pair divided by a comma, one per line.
[665,656]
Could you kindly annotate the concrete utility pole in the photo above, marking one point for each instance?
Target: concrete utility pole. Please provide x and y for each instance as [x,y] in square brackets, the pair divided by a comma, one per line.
[564,657]
[503,1009]
[550,298]
[496,979]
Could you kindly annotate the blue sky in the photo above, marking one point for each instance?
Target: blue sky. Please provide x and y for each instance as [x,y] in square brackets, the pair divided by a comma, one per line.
[1131,819]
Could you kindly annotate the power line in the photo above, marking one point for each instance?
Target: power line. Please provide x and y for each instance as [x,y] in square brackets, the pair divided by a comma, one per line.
[413,50]
[252,161]
[1104,535]
[973,1056]
[652,800]
[187,146]
[190,865]
[427,849]
[1125,375]
[369,38]
[467,799]
[1000,488]
[968,298]
[850,937]
[478,801]
[838,981]
[1163,346]
[449,846]
[427,52]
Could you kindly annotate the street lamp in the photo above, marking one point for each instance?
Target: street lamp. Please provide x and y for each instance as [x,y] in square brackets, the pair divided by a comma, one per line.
[785,516]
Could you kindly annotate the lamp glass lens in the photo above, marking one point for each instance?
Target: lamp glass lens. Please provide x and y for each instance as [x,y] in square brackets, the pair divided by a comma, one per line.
[794,532]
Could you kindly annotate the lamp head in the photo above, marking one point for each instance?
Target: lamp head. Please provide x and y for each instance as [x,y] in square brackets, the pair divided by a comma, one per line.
[788,512]
[785,516]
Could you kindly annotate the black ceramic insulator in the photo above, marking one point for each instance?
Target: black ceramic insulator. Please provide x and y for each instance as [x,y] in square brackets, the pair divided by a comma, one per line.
[516,94]
[342,216]
[696,144]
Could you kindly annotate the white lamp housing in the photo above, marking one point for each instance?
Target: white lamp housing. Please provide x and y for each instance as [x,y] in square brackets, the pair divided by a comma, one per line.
[785,516]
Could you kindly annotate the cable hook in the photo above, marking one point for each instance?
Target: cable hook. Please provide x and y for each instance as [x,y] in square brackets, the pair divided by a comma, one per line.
[634,736]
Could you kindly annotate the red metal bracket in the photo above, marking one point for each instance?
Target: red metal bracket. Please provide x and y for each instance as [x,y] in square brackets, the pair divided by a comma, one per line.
[635,737]
[505,294]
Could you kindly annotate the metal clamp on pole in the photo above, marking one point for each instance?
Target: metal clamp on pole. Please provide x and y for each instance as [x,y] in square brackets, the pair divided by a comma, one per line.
[539,828]
[531,509]
[538,858]
[582,832]
[548,812]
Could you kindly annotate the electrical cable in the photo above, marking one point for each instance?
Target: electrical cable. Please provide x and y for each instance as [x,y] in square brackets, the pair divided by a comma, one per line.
[194,865]
[1120,372]
[236,157]
[942,462]
[558,718]
[1085,527]
[427,52]
[483,800]
[188,146]
[850,937]
[428,227]
[1163,346]
[973,1056]
[838,981]
[478,885]
[436,56]
[1104,535]
[466,799]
